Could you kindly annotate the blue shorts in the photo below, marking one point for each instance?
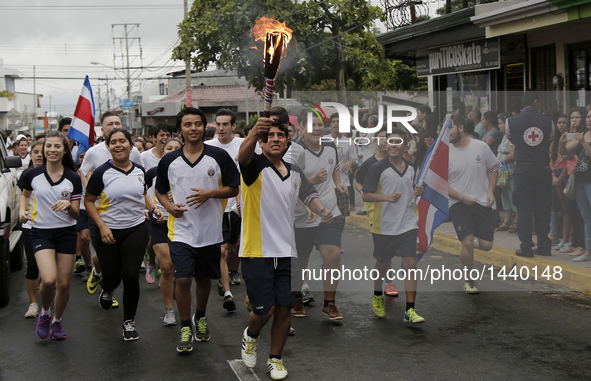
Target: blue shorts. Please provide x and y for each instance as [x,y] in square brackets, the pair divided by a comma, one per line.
[268,283]
[385,247]
[198,262]
[323,234]
[158,232]
[84,221]
[62,240]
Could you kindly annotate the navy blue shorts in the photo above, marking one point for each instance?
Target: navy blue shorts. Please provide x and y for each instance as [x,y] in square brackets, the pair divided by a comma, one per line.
[323,234]
[385,247]
[84,221]
[62,240]
[198,262]
[474,220]
[158,232]
[268,283]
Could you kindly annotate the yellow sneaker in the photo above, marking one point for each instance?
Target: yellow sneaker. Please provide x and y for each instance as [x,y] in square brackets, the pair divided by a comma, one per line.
[412,317]
[378,305]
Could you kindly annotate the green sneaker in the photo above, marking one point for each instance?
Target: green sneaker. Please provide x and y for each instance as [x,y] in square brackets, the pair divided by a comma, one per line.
[412,317]
[186,342]
[378,305]
[92,282]
[201,331]
[79,267]
[470,288]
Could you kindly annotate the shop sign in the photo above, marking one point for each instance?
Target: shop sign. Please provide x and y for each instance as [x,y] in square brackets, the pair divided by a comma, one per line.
[459,58]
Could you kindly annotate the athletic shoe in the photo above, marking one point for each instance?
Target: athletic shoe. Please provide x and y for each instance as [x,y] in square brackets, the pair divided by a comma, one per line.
[86,275]
[185,344]
[43,323]
[235,278]
[150,274]
[92,282]
[169,317]
[57,331]
[115,303]
[291,331]
[378,305]
[298,309]
[278,371]
[106,300]
[390,290]
[129,332]
[33,310]
[220,288]
[562,245]
[412,317]
[201,331]
[470,288]
[332,312]
[229,303]
[307,296]
[79,266]
[247,303]
[249,349]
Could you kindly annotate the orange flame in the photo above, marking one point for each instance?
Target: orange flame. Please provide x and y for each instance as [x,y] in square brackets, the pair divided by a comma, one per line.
[265,26]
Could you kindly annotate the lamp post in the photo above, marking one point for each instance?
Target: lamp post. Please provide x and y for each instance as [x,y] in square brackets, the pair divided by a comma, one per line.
[129,113]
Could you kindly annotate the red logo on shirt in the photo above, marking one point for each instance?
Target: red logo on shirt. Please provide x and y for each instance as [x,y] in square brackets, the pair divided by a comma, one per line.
[533,136]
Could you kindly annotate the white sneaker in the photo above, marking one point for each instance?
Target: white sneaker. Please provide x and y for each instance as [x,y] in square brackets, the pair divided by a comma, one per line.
[278,371]
[150,273]
[33,310]
[249,349]
[169,317]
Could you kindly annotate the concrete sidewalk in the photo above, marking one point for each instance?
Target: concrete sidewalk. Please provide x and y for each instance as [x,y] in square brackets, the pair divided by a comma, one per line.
[576,275]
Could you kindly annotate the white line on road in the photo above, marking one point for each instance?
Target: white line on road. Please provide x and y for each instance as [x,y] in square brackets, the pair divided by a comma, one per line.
[243,372]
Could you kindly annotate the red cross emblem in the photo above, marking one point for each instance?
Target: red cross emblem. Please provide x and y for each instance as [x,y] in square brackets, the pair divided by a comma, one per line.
[533,136]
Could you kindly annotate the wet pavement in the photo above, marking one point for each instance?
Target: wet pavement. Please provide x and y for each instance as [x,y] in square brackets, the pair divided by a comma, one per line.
[520,334]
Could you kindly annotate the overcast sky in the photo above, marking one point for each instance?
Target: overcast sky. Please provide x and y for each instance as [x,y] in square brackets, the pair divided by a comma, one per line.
[61,37]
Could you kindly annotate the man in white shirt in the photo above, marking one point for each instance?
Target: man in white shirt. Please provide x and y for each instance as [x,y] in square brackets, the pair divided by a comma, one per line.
[472,180]
[225,121]
[95,157]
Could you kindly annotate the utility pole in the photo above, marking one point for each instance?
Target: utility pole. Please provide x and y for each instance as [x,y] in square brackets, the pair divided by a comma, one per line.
[108,97]
[128,40]
[188,66]
[34,102]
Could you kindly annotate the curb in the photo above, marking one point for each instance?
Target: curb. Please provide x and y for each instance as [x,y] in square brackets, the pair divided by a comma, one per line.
[572,276]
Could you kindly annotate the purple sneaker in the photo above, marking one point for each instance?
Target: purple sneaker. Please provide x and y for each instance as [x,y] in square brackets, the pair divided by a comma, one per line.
[57,331]
[43,322]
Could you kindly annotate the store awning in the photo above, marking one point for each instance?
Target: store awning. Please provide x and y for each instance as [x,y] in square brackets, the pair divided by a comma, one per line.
[442,30]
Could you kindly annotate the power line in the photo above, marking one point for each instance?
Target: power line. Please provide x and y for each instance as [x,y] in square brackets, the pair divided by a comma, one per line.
[89,7]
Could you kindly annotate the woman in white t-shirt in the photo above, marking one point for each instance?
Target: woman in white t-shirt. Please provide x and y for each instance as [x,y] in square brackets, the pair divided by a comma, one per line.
[56,189]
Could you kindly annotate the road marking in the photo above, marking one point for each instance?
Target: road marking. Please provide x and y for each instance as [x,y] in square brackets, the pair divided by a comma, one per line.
[243,372]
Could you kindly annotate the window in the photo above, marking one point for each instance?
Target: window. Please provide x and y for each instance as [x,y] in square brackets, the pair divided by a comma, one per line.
[543,69]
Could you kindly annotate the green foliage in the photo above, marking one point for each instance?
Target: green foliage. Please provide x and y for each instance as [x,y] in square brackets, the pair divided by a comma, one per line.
[217,32]
[7,94]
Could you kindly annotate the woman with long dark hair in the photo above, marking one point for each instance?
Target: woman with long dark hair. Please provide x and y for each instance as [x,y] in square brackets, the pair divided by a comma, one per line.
[505,154]
[493,136]
[562,167]
[120,187]
[56,199]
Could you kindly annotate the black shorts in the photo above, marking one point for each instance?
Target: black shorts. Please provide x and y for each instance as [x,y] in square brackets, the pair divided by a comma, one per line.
[198,262]
[323,234]
[268,283]
[84,221]
[231,227]
[385,247]
[474,220]
[343,202]
[62,240]
[158,232]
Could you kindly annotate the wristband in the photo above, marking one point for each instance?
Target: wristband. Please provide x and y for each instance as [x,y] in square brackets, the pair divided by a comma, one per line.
[238,205]
[153,207]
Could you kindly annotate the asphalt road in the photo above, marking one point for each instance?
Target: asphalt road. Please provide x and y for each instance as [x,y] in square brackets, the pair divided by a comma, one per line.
[523,334]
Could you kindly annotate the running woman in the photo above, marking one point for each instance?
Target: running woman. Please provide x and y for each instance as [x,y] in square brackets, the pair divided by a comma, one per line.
[322,170]
[151,158]
[32,275]
[120,187]
[56,200]
[267,244]
[389,185]
[159,238]
[95,157]
[200,178]
[225,121]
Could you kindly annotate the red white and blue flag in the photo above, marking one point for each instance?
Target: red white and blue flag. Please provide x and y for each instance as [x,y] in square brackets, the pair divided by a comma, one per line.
[82,127]
[433,207]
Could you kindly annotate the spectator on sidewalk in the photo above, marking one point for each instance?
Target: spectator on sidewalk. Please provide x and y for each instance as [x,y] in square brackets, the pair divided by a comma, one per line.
[472,180]
[532,133]
[582,147]
[562,167]
[476,117]
[492,136]
[505,155]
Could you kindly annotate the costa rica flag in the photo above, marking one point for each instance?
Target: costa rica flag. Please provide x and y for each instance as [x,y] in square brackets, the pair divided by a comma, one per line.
[82,127]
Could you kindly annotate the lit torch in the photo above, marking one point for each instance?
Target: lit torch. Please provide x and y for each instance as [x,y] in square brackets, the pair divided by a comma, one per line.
[276,36]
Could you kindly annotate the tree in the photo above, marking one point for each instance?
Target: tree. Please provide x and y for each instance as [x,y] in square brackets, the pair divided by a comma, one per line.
[333,45]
